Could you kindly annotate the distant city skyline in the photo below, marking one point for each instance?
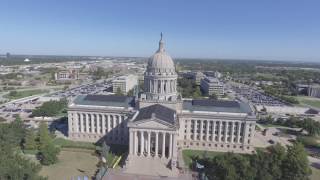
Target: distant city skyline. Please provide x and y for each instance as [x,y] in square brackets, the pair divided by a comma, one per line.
[269,30]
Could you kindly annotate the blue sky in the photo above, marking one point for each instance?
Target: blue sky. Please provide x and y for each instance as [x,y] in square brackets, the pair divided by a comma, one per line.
[253,29]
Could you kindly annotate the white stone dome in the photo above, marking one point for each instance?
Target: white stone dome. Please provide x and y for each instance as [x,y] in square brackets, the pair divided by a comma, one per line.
[161,61]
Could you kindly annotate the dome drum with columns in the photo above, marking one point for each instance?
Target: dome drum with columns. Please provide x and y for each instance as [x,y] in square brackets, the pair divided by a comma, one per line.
[160,80]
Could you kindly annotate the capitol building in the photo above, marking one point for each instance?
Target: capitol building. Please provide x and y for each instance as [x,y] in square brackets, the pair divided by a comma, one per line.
[158,123]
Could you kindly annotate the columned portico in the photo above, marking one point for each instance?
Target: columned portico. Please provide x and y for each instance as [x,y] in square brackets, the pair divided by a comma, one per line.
[152,143]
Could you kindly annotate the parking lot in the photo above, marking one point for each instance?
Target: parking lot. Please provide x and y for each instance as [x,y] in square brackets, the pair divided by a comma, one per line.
[23,107]
[102,87]
[256,97]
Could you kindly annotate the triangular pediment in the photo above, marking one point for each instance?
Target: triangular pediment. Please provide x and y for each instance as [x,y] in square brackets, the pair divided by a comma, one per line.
[153,124]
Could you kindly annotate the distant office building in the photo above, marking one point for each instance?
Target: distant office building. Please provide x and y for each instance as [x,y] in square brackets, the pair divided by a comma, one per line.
[217,74]
[66,75]
[197,77]
[314,91]
[8,55]
[125,83]
[211,86]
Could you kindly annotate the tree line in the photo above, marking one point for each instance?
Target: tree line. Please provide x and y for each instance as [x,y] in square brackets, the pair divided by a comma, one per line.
[13,164]
[41,143]
[309,125]
[275,163]
[51,108]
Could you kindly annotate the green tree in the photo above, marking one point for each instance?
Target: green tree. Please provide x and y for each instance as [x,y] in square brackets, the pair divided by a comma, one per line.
[197,92]
[311,126]
[296,164]
[13,93]
[229,166]
[51,108]
[12,164]
[30,141]
[130,92]
[47,151]
[268,165]
[48,154]
[44,135]
[213,96]
[18,129]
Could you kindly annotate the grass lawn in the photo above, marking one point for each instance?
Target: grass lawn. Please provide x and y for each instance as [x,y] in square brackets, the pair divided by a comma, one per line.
[71,164]
[25,93]
[64,143]
[315,102]
[315,173]
[189,154]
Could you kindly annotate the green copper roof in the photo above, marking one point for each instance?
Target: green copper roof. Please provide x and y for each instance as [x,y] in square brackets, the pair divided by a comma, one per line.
[104,100]
[216,106]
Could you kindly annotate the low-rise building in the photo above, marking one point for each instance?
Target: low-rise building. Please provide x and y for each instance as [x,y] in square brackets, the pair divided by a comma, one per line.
[66,75]
[210,85]
[124,83]
[197,77]
[314,91]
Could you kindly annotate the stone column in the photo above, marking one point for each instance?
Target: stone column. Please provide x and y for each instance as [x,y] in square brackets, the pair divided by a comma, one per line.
[87,123]
[207,130]
[93,122]
[119,126]
[170,146]
[70,123]
[98,123]
[195,130]
[135,142]
[149,143]
[157,140]
[188,123]
[142,143]
[238,132]
[245,133]
[213,130]
[232,132]
[131,147]
[109,123]
[201,130]
[76,122]
[174,152]
[90,122]
[114,125]
[162,86]
[226,131]
[163,144]
[81,123]
[103,124]
[219,131]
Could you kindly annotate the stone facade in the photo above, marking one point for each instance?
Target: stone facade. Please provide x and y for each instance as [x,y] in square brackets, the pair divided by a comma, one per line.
[159,123]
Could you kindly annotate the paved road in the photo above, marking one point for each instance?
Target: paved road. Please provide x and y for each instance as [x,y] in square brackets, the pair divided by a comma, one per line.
[119,175]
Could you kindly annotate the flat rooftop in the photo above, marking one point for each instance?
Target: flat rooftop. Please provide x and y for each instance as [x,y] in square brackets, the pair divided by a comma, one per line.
[104,100]
[210,105]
